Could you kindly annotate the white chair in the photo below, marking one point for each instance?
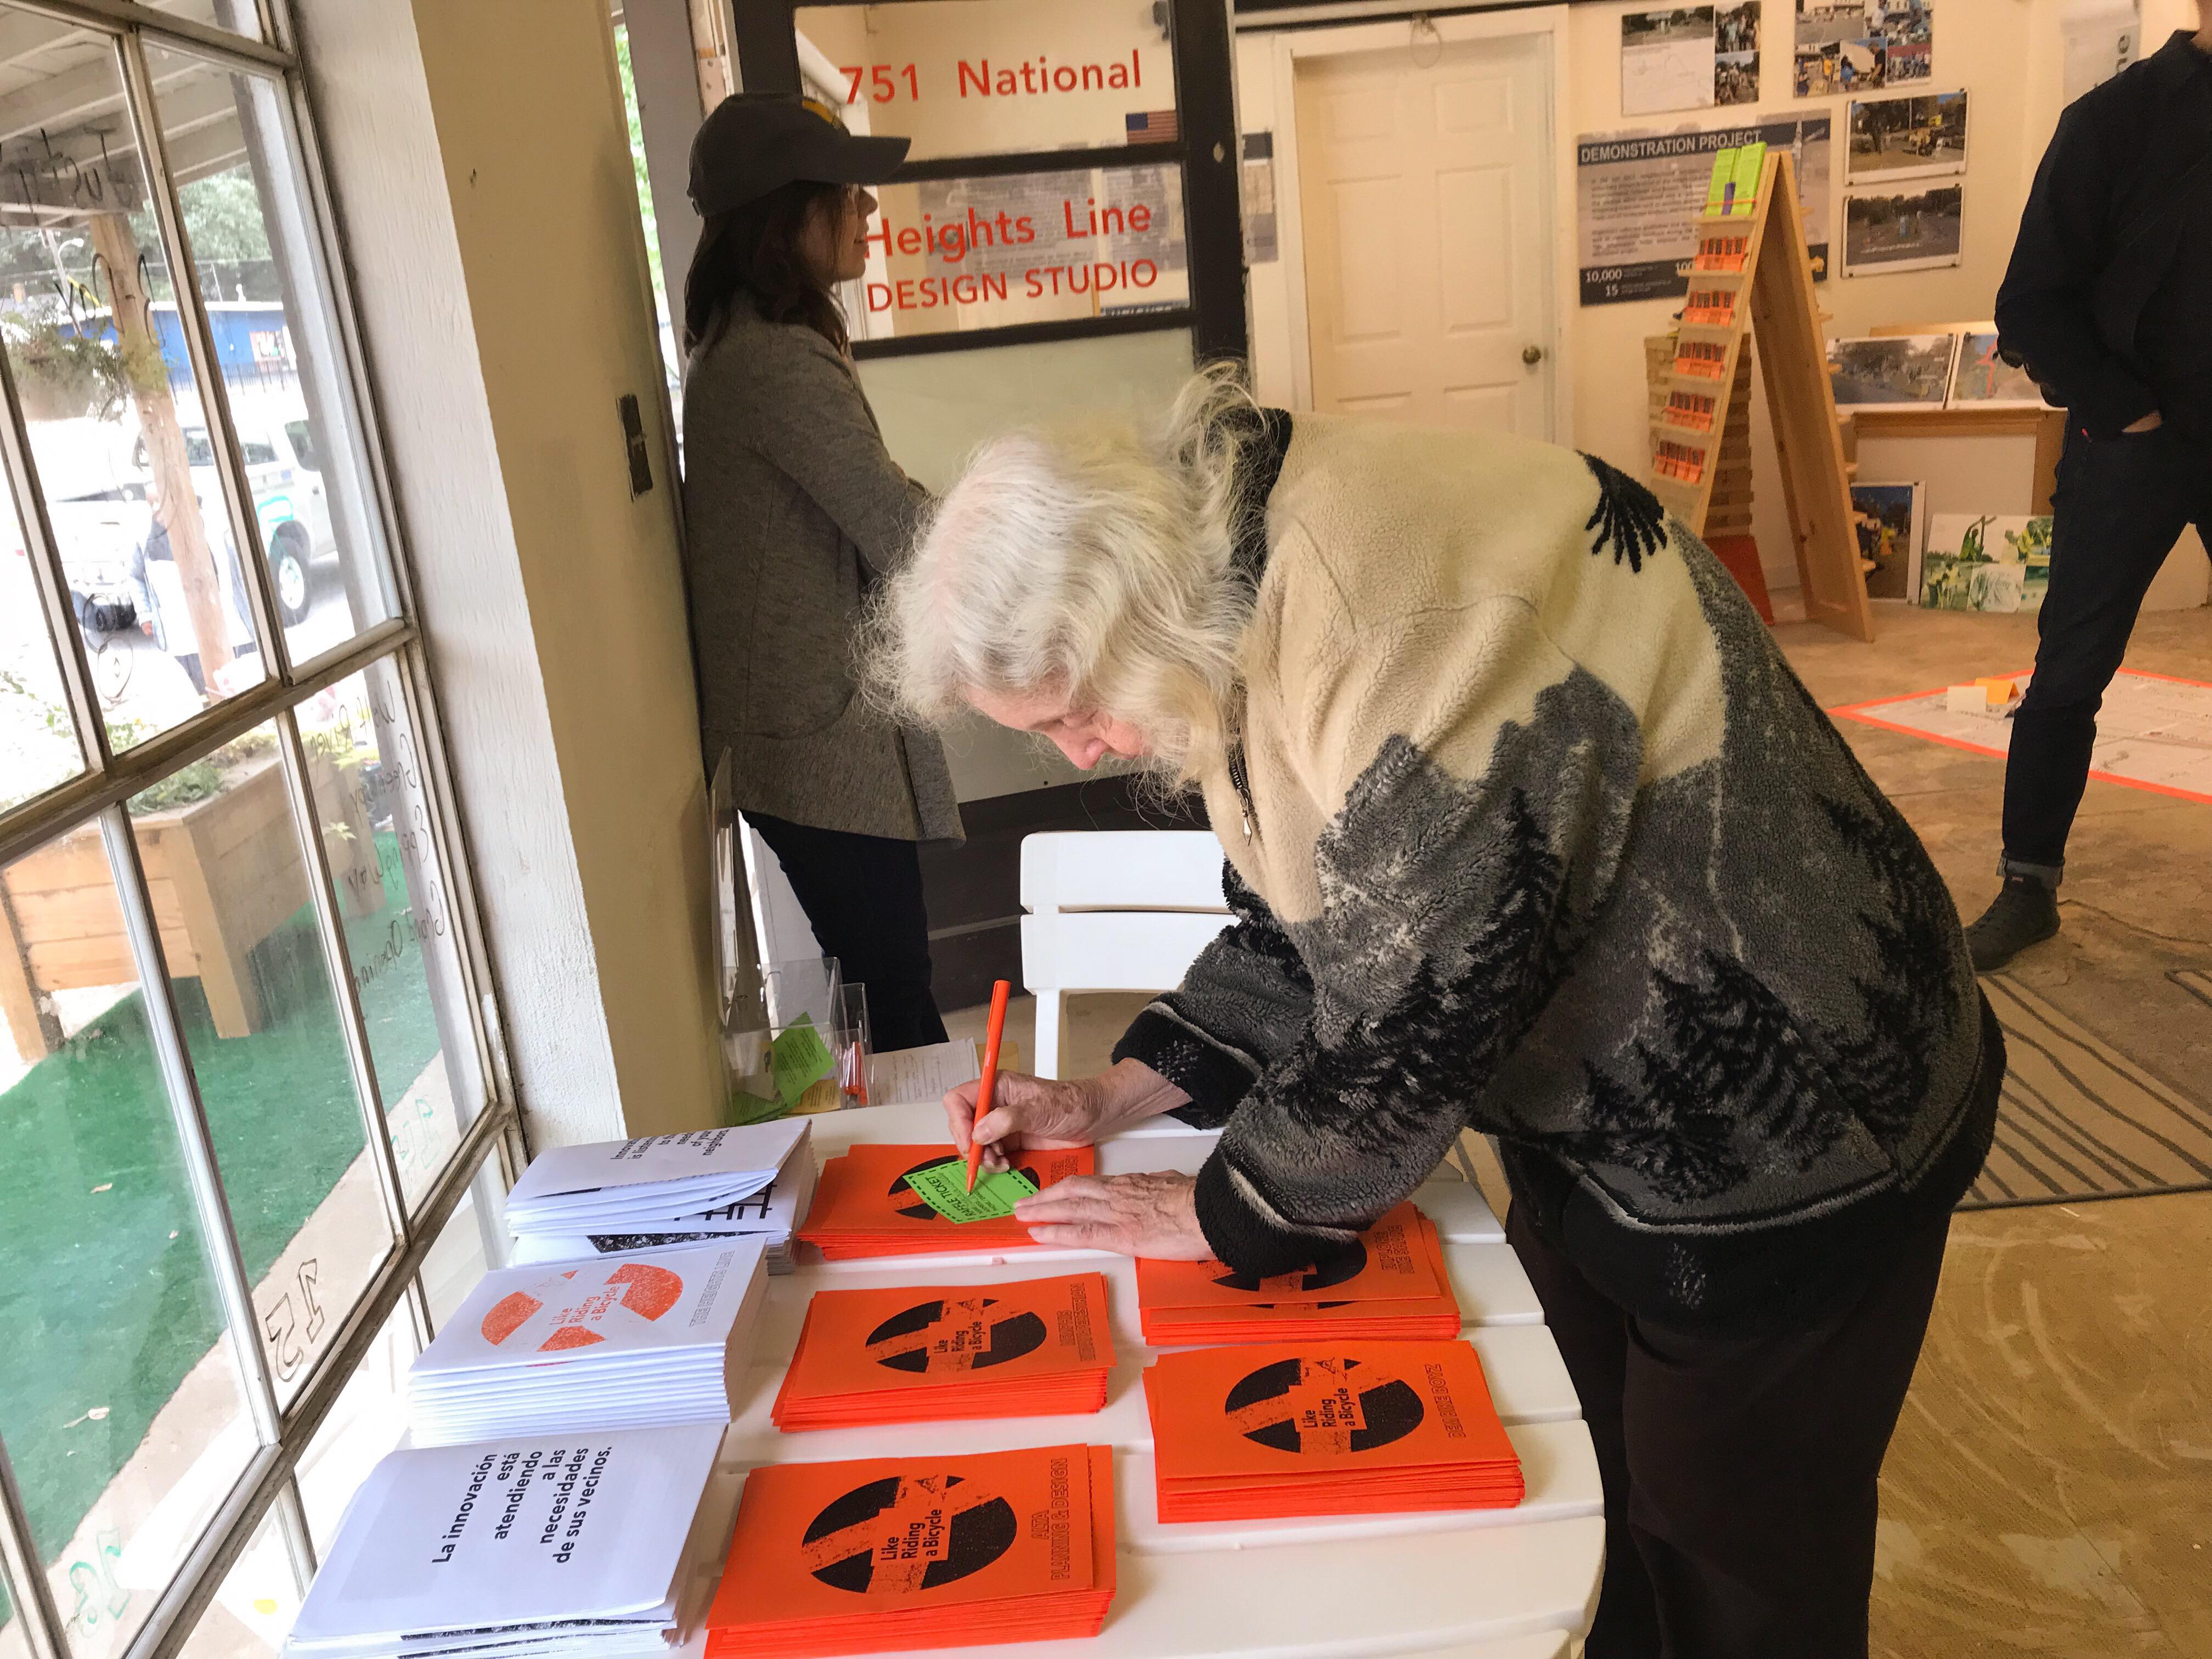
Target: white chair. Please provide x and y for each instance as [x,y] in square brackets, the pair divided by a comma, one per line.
[1112,910]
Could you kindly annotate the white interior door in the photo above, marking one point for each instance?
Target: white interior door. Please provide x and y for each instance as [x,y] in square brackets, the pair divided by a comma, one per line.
[1425,186]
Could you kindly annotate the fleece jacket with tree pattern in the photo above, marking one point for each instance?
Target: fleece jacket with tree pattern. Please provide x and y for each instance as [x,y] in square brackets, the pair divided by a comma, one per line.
[1531,830]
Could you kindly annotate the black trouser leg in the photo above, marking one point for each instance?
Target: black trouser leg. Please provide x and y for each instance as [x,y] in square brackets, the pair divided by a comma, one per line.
[2120,506]
[1739,1476]
[862,893]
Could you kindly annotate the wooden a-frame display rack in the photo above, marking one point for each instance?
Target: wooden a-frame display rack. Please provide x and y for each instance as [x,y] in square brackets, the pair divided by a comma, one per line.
[1752,275]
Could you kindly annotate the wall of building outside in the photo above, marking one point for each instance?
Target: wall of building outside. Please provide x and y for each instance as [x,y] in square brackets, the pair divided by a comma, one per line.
[2007,56]
[483,178]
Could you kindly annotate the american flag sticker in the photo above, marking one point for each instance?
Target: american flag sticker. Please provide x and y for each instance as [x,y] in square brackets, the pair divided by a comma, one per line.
[1156,126]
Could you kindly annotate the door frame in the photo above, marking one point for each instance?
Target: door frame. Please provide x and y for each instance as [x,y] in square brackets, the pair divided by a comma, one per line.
[1281,342]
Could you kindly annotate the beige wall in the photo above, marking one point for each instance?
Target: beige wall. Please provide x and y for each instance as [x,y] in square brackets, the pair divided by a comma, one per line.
[483,176]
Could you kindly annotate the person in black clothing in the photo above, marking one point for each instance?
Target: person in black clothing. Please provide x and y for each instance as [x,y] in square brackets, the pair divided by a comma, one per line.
[2108,302]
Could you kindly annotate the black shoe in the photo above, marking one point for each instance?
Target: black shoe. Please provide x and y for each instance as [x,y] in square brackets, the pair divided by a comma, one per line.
[2025,913]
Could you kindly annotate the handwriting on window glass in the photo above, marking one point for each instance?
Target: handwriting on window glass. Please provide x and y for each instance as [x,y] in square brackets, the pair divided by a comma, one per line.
[100,1598]
[291,1330]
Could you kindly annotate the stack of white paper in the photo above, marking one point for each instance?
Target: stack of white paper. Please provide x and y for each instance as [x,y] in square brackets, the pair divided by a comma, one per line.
[552,1546]
[616,1197]
[625,1342]
[915,1077]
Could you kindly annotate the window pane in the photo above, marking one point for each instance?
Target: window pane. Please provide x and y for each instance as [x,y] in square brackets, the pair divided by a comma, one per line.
[947,254]
[253,1609]
[989,77]
[367,776]
[38,735]
[370,1416]
[239,16]
[473,1241]
[93,336]
[260,1020]
[277,338]
[119,1399]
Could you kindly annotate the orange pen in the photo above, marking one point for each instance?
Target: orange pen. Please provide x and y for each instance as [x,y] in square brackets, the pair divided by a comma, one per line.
[1001,990]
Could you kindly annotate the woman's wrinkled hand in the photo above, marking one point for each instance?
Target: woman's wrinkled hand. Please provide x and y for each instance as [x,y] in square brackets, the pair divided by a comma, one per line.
[1027,1113]
[1152,1215]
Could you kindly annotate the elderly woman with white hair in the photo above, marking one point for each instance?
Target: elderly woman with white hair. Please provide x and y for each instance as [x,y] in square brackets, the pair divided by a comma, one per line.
[1529,829]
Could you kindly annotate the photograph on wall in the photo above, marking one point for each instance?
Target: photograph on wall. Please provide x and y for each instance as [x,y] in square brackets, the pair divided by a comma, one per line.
[1832,54]
[1985,562]
[1917,137]
[1909,231]
[1666,60]
[1891,371]
[1735,53]
[1857,47]
[1982,379]
[1638,197]
[1893,527]
[1906,29]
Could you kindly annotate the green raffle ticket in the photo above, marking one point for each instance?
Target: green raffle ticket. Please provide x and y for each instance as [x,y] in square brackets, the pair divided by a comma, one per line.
[944,1188]
[798,1059]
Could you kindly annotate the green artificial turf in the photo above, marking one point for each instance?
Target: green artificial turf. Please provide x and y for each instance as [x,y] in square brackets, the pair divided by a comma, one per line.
[106,1296]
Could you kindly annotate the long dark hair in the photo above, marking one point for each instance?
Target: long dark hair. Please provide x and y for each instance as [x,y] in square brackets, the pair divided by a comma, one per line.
[754,251]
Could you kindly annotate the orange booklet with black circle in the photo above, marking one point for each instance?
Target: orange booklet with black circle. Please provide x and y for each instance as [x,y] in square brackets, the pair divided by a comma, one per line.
[1391,1285]
[915,1353]
[1346,1428]
[902,1553]
[863,1206]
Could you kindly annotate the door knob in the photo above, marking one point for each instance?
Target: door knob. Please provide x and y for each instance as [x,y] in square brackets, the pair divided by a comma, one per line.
[1532,355]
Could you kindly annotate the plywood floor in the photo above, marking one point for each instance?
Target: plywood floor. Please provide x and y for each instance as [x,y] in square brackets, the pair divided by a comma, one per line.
[2050,1489]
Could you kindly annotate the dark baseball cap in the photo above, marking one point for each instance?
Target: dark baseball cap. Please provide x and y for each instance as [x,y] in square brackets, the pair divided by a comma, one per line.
[757,141]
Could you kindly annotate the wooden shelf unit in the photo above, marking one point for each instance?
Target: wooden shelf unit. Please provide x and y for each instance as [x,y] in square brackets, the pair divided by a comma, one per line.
[1752,279]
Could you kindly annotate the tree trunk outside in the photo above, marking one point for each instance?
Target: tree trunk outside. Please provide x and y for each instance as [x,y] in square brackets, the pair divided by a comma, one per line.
[165,455]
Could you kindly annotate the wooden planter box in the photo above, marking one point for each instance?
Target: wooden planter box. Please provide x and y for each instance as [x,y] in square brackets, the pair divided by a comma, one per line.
[224,874]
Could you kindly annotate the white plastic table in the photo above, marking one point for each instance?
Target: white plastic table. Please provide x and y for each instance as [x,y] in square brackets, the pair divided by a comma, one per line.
[1455,1584]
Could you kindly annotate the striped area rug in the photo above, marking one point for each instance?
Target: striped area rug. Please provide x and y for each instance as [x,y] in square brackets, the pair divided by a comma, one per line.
[2080,1120]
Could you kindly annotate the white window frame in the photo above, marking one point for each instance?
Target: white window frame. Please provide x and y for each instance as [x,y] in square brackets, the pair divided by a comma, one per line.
[491,1123]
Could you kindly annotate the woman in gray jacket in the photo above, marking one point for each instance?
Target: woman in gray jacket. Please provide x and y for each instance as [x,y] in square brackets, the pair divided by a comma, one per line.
[793,508]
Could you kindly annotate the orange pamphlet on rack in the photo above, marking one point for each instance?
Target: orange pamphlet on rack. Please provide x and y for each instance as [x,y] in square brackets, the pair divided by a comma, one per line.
[863,1206]
[918,1354]
[901,1552]
[1348,1428]
[1389,1286]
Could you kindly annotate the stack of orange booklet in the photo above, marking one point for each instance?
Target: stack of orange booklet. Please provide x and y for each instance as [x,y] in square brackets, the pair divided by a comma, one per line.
[1389,1286]
[1352,1428]
[901,1552]
[918,1354]
[863,1206]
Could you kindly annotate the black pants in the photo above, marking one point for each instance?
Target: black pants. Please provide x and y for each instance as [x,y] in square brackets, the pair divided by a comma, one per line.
[1739,1474]
[863,896]
[2120,506]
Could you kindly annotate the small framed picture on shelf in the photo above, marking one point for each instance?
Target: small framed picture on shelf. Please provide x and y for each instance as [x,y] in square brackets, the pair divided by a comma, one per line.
[1893,371]
[1892,529]
[1982,379]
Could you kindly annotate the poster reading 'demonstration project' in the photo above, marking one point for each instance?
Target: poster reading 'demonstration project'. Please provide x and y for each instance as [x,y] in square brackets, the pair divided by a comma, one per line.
[1638,197]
